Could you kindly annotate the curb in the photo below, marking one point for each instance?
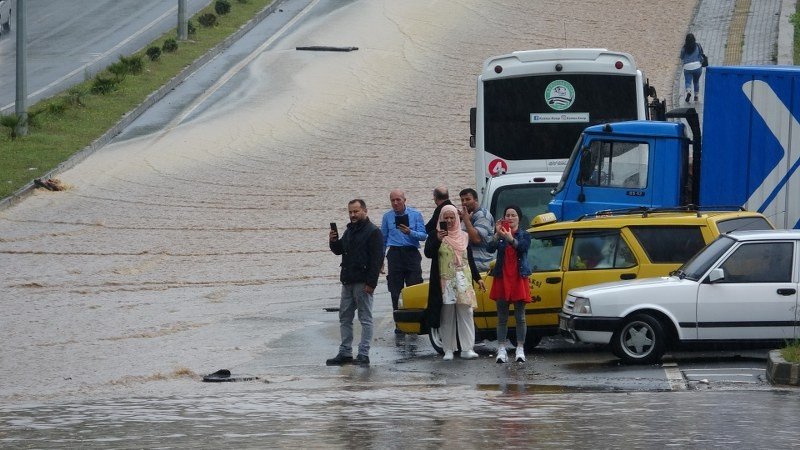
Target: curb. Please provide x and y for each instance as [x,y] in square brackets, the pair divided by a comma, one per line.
[133,114]
[781,372]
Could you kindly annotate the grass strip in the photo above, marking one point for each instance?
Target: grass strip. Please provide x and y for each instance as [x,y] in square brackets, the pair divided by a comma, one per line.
[60,126]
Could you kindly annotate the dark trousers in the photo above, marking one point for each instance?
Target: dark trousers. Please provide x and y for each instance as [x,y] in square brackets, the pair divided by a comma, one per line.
[405,269]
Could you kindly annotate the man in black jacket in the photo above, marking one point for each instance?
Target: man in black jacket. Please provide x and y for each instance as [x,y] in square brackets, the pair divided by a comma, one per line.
[361,247]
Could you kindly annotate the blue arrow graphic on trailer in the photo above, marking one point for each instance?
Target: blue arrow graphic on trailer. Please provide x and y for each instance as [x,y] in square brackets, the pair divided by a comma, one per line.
[775,114]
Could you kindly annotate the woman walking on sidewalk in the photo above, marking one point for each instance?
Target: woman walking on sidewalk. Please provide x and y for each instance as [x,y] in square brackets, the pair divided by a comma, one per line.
[692,59]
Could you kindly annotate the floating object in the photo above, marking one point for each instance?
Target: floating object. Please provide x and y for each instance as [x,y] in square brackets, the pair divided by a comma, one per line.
[325,48]
[224,375]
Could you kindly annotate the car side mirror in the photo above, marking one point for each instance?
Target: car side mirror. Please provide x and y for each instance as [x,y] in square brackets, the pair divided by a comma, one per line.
[716,275]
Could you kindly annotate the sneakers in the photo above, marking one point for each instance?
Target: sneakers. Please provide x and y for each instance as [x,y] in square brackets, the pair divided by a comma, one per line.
[696,97]
[688,96]
[362,360]
[520,356]
[502,356]
[448,355]
[340,360]
[468,354]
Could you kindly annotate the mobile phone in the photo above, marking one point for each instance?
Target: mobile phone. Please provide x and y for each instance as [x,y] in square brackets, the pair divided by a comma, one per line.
[333,228]
[505,224]
[400,220]
[443,225]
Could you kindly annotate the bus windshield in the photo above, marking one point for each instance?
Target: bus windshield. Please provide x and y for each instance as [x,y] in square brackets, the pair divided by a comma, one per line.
[523,119]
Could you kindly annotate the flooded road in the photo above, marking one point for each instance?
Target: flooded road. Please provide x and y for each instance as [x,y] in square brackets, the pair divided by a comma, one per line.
[363,416]
[199,243]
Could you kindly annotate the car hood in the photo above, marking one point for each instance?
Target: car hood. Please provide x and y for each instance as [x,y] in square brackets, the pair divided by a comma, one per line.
[612,286]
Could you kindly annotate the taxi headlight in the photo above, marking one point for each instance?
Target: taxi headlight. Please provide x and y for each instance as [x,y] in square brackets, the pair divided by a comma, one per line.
[582,306]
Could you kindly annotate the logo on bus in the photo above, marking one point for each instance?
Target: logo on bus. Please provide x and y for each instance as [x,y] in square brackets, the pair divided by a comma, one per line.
[559,95]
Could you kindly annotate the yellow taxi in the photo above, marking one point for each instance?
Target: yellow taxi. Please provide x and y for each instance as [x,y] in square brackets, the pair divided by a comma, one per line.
[604,247]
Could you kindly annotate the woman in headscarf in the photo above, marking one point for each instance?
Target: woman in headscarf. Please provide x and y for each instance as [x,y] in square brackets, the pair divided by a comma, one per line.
[449,251]
[510,284]
[692,60]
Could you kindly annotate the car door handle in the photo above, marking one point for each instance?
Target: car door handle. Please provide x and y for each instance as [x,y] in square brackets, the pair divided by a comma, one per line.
[627,276]
[552,280]
[786,291]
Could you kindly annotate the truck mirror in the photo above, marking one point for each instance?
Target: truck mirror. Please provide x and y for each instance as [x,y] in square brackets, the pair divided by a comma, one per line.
[473,125]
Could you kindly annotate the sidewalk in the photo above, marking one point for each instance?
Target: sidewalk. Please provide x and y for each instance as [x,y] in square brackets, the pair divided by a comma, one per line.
[738,32]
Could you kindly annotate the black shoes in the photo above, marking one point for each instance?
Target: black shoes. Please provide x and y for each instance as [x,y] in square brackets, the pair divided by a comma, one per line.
[340,360]
[688,97]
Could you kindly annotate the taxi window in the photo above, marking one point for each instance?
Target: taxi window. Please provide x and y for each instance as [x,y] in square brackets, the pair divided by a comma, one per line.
[669,244]
[546,251]
[600,251]
[743,223]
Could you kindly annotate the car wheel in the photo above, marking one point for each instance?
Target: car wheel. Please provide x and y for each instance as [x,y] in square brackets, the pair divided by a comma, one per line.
[436,340]
[531,340]
[640,340]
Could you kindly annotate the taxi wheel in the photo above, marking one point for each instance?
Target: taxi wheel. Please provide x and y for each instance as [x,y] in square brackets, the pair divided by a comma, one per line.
[640,340]
[436,341]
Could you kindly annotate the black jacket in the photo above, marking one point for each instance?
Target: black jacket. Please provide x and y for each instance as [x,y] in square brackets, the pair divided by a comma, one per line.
[433,312]
[430,227]
[361,247]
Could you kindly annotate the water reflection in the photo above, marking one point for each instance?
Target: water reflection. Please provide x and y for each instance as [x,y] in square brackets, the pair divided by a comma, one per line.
[418,416]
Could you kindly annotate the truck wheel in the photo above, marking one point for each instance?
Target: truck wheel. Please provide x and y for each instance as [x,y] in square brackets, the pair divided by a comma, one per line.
[640,340]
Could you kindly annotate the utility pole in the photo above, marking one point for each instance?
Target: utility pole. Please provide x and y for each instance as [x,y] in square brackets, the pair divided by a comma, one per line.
[183,25]
[22,83]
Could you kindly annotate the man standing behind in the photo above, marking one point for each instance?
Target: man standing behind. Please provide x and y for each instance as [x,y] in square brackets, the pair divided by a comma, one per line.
[361,247]
[479,225]
[403,228]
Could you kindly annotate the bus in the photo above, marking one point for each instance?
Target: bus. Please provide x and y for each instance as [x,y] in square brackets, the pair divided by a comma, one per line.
[531,109]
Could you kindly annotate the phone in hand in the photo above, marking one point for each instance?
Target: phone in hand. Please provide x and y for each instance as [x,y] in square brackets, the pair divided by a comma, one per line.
[505,224]
[334,229]
[400,220]
[443,225]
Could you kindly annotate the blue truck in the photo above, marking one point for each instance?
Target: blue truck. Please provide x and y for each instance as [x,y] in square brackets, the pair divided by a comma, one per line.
[747,154]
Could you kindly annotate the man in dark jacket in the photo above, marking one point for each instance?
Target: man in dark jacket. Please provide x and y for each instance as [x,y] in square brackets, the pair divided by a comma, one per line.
[361,247]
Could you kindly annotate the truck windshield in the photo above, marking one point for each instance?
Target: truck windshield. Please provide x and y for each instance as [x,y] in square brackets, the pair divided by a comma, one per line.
[702,261]
[576,150]
[512,106]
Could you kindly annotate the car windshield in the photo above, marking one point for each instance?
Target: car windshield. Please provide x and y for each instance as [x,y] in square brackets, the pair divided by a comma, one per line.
[702,261]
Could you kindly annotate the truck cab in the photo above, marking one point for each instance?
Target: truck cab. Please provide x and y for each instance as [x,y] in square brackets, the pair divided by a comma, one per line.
[624,165]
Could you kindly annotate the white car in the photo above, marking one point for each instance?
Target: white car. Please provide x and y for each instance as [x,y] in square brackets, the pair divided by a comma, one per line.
[742,287]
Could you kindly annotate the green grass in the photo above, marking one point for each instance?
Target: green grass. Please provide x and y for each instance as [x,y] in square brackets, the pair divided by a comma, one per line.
[791,353]
[795,20]
[59,132]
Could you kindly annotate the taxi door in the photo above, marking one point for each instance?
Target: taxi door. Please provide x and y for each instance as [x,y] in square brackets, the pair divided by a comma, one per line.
[546,259]
[599,256]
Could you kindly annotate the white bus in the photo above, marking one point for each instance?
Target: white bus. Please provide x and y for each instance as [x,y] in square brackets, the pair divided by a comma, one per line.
[531,108]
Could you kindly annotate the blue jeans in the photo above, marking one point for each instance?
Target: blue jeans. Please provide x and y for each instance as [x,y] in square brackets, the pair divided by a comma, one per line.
[502,322]
[692,76]
[354,298]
